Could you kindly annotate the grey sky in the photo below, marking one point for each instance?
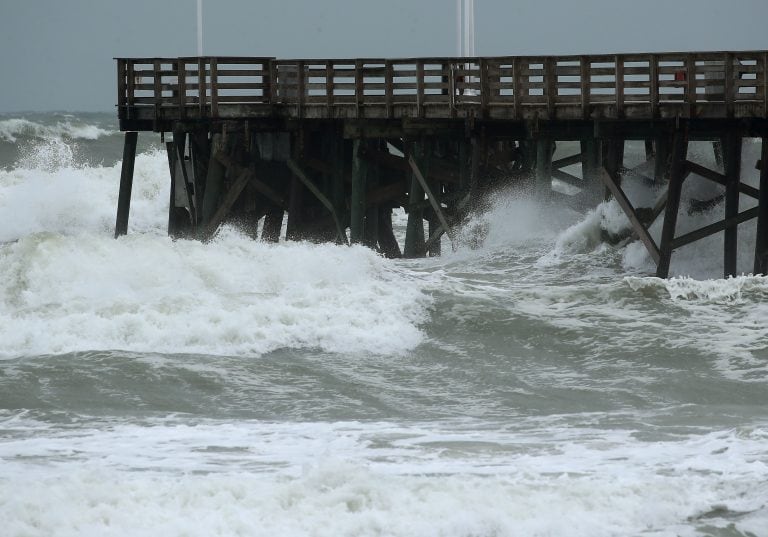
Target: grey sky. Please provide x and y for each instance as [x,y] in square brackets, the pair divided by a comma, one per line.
[57,54]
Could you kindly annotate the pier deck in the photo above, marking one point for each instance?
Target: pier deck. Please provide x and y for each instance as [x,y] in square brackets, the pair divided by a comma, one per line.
[337,143]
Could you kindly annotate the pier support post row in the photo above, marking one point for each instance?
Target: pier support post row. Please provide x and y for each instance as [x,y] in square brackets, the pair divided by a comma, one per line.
[126,183]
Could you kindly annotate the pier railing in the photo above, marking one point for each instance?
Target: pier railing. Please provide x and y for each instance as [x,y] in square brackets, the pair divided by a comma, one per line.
[707,85]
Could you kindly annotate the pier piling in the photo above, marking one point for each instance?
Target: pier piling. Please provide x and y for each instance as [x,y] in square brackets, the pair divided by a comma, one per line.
[126,183]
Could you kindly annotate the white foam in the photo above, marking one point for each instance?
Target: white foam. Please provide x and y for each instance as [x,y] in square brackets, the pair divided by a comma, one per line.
[351,478]
[232,296]
[11,129]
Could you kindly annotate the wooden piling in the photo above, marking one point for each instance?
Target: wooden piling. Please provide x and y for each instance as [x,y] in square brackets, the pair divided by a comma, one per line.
[613,160]
[677,176]
[126,183]
[388,244]
[213,181]
[732,164]
[662,147]
[357,200]
[761,242]
[544,153]
[414,233]
[591,162]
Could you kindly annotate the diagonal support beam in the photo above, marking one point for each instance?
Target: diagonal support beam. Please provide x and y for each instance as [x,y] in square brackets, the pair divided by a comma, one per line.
[711,229]
[433,201]
[226,205]
[299,173]
[612,185]
[567,161]
[720,179]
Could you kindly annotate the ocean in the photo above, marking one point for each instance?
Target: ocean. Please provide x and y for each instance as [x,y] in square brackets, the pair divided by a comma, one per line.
[537,381]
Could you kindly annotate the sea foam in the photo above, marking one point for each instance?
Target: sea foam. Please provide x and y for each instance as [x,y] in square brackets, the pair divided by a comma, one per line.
[233,296]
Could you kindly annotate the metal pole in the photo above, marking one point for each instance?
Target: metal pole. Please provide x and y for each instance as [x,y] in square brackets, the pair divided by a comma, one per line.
[199,27]
[458,28]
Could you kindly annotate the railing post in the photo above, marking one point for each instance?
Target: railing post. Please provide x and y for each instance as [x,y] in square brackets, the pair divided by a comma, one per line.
[517,88]
[300,89]
[121,89]
[359,90]
[131,89]
[267,81]
[690,70]
[484,87]
[420,88]
[619,76]
[550,84]
[729,87]
[202,94]
[653,76]
[765,84]
[158,87]
[586,86]
[182,74]
[388,87]
[214,87]
[329,85]
[450,68]
[274,82]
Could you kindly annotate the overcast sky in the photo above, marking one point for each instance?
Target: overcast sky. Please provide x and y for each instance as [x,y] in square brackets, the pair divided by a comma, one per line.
[57,54]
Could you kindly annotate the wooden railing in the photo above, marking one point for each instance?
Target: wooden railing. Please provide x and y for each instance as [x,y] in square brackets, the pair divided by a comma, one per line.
[711,84]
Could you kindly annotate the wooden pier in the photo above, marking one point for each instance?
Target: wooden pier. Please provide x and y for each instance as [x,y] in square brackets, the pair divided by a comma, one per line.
[337,144]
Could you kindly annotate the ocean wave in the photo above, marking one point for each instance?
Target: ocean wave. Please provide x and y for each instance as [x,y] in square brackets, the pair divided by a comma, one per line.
[14,128]
[728,290]
[234,296]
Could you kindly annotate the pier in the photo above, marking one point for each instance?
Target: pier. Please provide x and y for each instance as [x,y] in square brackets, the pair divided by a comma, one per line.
[332,146]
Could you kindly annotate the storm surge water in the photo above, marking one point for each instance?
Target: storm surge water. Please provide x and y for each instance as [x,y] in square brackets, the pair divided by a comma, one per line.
[535,382]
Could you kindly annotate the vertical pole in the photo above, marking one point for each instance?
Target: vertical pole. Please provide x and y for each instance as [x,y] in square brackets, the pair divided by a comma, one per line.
[273,223]
[544,151]
[732,162]
[338,192]
[464,166]
[371,229]
[199,27]
[761,243]
[661,162]
[172,225]
[357,205]
[387,242]
[677,176]
[613,160]
[126,183]
[591,159]
[414,233]
[213,181]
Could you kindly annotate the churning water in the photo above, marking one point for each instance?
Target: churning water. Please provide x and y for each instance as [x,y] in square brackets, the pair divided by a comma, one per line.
[537,384]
